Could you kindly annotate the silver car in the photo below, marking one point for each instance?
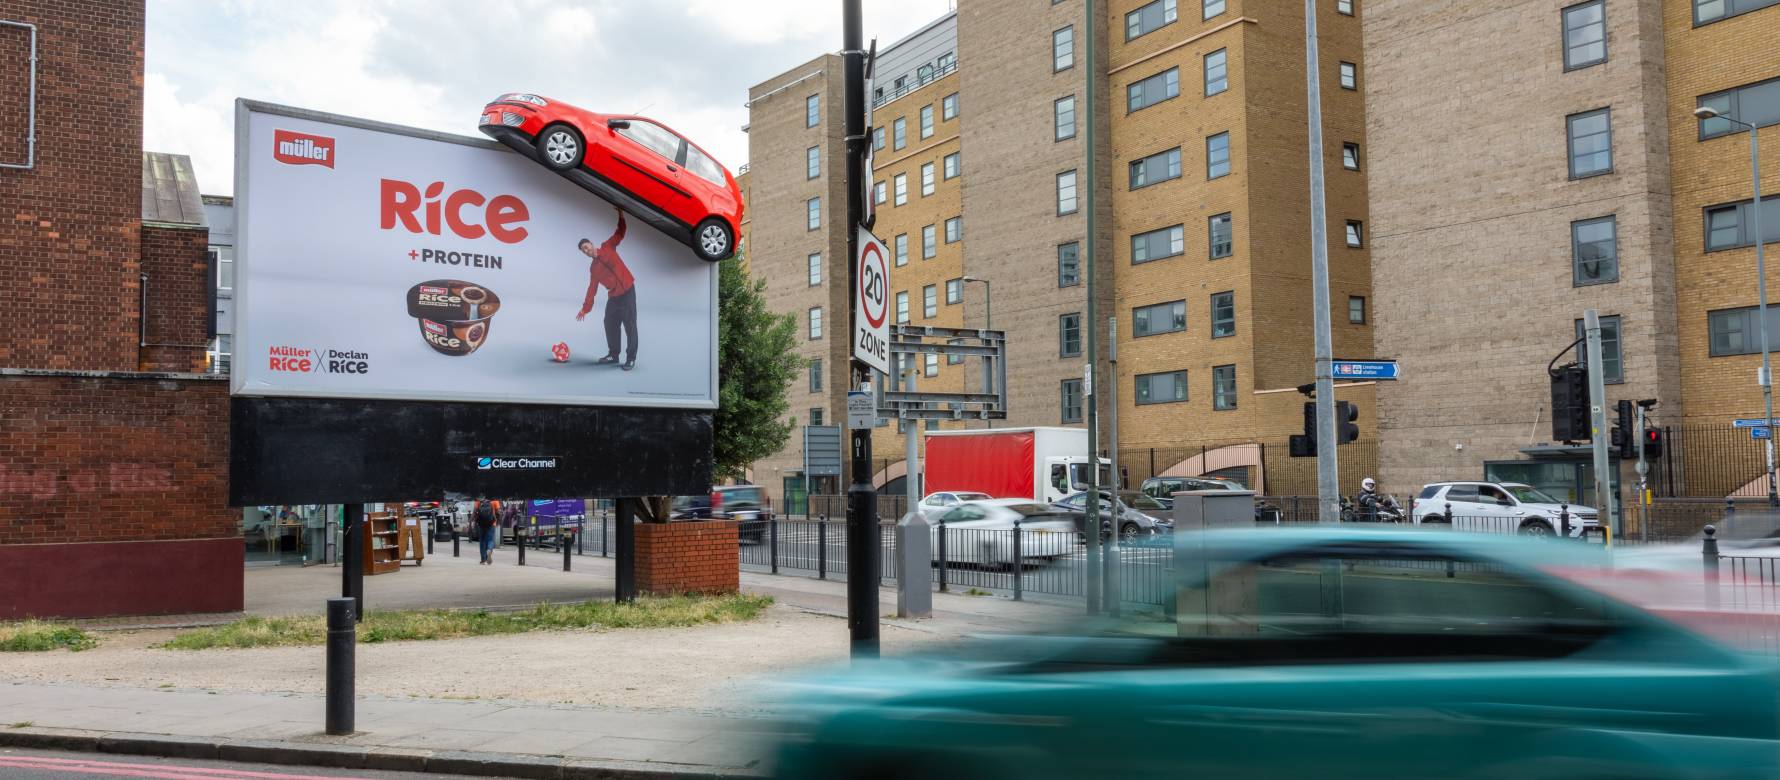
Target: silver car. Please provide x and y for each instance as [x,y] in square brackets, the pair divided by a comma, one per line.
[982,532]
[1133,523]
[936,504]
[1501,507]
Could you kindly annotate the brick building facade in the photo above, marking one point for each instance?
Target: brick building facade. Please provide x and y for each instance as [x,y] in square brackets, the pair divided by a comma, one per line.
[113,456]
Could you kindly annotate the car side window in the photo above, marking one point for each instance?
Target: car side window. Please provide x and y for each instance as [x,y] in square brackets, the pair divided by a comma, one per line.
[654,137]
[1461,493]
[965,512]
[704,167]
[1490,495]
[1059,478]
[1429,491]
[952,516]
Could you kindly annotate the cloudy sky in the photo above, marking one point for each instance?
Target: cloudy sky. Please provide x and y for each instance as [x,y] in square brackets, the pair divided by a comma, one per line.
[434,63]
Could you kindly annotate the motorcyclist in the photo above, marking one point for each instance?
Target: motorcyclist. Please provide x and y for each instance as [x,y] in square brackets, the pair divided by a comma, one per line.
[1367,502]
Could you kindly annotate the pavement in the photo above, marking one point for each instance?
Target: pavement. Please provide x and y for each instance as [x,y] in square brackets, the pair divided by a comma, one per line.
[501,737]
[63,765]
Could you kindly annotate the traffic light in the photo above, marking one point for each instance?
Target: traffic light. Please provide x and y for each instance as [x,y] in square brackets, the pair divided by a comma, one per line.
[1304,445]
[1625,440]
[1653,443]
[1569,404]
[1345,416]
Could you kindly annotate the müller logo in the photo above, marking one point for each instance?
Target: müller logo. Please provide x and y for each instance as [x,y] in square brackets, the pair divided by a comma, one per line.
[293,148]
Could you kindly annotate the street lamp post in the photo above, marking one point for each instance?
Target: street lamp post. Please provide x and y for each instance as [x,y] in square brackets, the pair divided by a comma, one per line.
[988,324]
[1761,286]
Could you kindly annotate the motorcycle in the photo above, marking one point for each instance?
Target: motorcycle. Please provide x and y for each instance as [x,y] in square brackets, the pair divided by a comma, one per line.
[1386,510]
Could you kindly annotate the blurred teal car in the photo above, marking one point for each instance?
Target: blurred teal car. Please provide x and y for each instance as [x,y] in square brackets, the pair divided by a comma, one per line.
[1318,653]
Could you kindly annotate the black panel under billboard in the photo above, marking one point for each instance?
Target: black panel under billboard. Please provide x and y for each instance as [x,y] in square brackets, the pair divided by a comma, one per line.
[336,451]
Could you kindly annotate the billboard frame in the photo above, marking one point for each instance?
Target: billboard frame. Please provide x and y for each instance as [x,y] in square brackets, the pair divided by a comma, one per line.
[244,109]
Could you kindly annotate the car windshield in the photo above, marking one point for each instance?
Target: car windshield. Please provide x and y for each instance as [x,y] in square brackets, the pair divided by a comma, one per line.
[1030,511]
[972,496]
[743,496]
[1530,495]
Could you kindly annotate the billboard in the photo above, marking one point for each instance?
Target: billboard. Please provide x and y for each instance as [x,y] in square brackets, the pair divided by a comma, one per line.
[381,262]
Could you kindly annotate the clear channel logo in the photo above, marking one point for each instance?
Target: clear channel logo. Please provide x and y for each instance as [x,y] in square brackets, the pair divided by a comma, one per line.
[506,463]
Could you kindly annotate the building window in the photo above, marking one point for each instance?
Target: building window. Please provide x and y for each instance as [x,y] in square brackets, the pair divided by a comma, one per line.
[1065,193]
[1220,234]
[948,107]
[1157,244]
[954,230]
[815,415]
[929,242]
[1223,387]
[1350,156]
[1063,115]
[816,323]
[902,307]
[1164,388]
[1223,314]
[1072,401]
[927,121]
[1158,167]
[950,168]
[1069,264]
[1069,335]
[1708,11]
[880,192]
[1355,233]
[930,368]
[877,139]
[1733,331]
[1594,251]
[1350,76]
[902,249]
[926,179]
[222,258]
[1344,7]
[813,165]
[812,110]
[923,74]
[929,302]
[813,214]
[1143,93]
[1158,318]
[815,269]
[1356,309]
[1728,226]
[221,353]
[954,291]
[1213,8]
[1758,104]
[1591,143]
[1217,156]
[1217,74]
[1149,18]
[816,375]
[1062,49]
[1612,363]
[899,133]
[1585,35]
[900,188]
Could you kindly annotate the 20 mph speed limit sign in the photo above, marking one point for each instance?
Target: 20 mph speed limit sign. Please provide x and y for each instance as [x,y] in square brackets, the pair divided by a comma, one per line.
[871,302]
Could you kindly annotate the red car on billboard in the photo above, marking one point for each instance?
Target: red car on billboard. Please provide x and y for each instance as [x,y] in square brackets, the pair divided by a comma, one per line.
[639,164]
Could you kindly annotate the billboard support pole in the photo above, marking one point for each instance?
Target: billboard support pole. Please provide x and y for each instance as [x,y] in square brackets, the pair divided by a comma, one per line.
[862,533]
[352,558]
[627,551]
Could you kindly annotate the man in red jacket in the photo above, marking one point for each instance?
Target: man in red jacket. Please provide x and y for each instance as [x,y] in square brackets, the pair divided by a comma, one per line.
[621,295]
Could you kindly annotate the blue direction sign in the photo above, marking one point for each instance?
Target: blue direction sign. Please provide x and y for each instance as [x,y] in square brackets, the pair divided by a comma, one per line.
[1755,422]
[1381,370]
[1758,433]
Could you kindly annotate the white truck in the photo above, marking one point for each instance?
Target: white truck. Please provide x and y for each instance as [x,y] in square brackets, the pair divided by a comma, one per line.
[1041,464]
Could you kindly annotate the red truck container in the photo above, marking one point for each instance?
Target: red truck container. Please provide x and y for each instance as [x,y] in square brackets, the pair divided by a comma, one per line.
[1043,464]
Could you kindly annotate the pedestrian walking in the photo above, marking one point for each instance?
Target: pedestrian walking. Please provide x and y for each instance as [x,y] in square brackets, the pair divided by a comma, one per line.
[484,519]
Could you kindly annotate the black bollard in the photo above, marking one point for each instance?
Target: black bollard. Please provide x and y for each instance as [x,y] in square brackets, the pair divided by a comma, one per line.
[519,541]
[565,553]
[455,551]
[580,526]
[342,634]
[1709,557]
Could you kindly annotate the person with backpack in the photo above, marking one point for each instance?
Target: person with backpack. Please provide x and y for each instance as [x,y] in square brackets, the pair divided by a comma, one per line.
[484,519]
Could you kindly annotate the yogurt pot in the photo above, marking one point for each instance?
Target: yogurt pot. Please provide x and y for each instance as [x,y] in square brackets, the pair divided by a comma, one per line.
[454,316]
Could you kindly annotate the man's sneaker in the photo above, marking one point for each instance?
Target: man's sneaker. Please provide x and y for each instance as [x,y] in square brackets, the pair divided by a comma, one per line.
[607,360]
[629,364]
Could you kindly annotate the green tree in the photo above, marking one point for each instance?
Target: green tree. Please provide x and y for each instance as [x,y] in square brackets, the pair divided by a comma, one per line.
[756,364]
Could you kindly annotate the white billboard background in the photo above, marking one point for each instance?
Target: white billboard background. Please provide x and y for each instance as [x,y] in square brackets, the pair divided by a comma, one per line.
[316,272]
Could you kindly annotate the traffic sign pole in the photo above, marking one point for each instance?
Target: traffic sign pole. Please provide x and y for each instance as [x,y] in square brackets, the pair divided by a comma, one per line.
[862,500]
[1597,399]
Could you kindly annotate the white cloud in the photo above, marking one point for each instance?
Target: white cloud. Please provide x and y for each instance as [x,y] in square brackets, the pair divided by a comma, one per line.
[428,64]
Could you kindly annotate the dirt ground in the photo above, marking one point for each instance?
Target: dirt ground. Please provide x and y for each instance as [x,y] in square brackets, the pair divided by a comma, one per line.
[716,668]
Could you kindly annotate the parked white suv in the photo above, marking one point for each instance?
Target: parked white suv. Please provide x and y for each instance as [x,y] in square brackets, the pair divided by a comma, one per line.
[1500,507]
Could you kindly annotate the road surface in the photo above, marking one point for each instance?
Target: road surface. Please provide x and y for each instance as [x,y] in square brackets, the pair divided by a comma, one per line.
[52,765]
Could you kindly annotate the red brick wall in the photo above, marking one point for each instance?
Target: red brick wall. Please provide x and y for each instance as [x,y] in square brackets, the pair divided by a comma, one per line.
[113,459]
[68,229]
[689,557]
[178,267]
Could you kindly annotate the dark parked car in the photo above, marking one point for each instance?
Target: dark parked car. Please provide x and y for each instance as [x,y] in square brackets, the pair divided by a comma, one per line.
[746,504]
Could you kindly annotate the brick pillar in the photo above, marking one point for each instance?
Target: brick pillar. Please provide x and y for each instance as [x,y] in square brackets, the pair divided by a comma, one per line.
[688,557]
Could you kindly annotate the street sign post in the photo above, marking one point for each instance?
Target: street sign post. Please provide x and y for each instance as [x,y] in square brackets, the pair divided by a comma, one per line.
[1759,433]
[862,410]
[1755,422]
[871,303]
[1375,370]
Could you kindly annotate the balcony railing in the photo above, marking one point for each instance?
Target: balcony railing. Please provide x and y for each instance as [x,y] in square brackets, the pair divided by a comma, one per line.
[892,93]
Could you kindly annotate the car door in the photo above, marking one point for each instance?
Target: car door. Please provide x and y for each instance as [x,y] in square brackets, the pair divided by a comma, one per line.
[1459,506]
[1503,513]
[646,159]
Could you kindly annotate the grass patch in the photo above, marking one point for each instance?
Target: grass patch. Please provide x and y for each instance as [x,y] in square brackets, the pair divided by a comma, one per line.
[32,636]
[418,625]
[23,724]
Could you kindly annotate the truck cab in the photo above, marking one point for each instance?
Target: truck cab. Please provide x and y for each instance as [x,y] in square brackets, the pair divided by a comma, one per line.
[1069,474]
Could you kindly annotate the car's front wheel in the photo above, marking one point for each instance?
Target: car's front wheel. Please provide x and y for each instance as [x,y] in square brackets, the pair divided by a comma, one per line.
[561,147]
[712,240]
[1129,532]
[1537,528]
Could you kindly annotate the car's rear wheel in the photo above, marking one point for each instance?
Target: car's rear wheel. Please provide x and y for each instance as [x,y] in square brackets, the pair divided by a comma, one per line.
[1537,528]
[712,240]
[1438,519]
[1129,532]
[561,147]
